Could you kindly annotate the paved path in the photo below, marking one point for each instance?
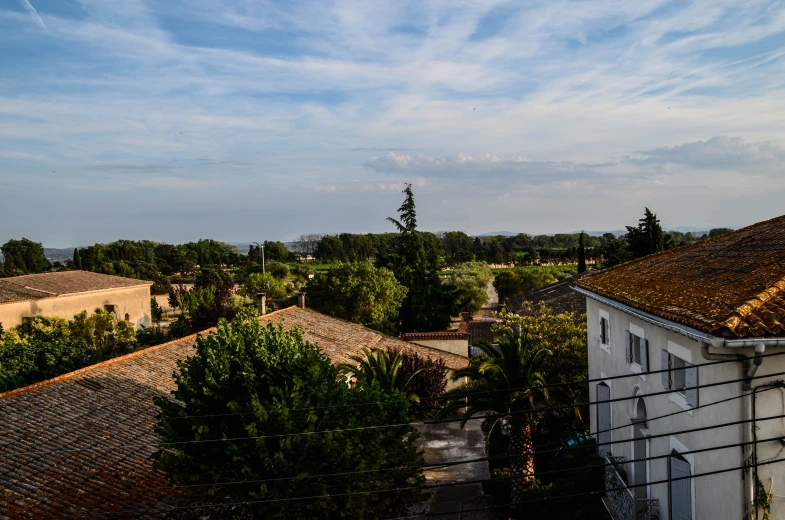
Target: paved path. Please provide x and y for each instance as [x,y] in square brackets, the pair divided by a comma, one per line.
[492,306]
[447,442]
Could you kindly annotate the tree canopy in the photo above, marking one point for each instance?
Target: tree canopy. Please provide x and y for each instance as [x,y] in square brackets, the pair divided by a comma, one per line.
[24,257]
[358,292]
[470,281]
[262,381]
[416,260]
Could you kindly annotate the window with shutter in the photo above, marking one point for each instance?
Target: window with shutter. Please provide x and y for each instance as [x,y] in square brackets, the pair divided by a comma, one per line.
[691,384]
[603,419]
[665,365]
[628,350]
[679,487]
[644,351]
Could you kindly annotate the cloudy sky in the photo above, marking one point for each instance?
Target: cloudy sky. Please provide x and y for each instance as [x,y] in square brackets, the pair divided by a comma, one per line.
[252,120]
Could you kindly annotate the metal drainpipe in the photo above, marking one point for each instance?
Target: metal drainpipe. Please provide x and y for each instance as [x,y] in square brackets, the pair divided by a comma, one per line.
[748,371]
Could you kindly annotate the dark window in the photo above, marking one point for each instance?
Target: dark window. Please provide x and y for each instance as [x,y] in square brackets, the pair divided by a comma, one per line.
[127,317]
[110,308]
[681,377]
[604,336]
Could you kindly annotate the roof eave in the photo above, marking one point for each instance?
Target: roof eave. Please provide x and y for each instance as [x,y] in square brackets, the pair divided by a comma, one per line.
[684,330]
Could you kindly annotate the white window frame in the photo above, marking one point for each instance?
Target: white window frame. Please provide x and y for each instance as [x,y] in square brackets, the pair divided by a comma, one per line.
[676,397]
[605,346]
[689,457]
[635,368]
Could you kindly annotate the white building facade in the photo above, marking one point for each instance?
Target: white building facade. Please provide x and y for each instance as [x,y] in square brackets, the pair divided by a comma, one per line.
[692,420]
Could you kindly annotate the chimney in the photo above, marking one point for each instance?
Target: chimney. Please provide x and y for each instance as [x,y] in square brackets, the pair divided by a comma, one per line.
[301,300]
[261,299]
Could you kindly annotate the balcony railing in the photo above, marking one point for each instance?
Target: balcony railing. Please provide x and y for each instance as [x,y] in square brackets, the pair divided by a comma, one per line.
[621,498]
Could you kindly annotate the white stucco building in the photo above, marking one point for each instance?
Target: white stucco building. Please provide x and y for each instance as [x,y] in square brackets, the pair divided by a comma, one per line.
[680,343]
[65,294]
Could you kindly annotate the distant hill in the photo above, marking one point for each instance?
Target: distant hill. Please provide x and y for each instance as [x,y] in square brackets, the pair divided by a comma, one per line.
[59,255]
[497,233]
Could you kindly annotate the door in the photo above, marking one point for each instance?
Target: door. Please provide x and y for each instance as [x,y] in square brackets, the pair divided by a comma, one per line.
[603,419]
[640,450]
[679,491]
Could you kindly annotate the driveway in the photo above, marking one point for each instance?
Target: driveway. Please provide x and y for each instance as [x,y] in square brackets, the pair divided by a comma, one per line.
[447,442]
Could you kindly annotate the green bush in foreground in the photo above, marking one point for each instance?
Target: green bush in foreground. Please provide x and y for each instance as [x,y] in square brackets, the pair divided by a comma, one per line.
[280,387]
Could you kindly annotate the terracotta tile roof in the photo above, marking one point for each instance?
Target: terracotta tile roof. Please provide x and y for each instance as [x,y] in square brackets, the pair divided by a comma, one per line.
[732,285]
[10,292]
[461,333]
[558,296]
[81,443]
[480,330]
[70,282]
[341,339]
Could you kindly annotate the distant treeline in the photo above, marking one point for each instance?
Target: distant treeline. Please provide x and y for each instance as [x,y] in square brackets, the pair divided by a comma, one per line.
[458,247]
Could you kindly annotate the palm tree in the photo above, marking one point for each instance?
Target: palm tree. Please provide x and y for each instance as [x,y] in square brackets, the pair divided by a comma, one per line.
[378,367]
[506,382]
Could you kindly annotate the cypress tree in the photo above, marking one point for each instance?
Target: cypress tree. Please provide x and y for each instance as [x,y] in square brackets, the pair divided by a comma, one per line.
[77,259]
[581,254]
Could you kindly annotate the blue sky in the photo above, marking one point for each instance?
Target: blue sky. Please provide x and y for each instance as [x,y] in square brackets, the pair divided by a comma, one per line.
[252,120]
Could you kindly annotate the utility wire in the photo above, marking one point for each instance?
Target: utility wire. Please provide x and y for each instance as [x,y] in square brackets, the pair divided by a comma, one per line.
[588,493]
[532,453]
[483,392]
[436,486]
[423,423]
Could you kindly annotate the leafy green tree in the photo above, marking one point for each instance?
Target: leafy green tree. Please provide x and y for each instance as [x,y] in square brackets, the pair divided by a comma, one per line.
[470,281]
[156,312]
[581,254]
[45,347]
[28,256]
[264,382]
[719,231]
[278,270]
[506,381]
[521,280]
[615,251]
[264,283]
[416,260]
[358,292]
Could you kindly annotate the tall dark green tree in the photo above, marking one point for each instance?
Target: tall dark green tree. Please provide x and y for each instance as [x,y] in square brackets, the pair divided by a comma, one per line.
[581,254]
[416,260]
[648,237]
[77,259]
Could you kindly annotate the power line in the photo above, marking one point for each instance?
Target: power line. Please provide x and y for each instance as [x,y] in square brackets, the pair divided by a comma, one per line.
[588,493]
[483,392]
[531,453]
[460,483]
[426,423]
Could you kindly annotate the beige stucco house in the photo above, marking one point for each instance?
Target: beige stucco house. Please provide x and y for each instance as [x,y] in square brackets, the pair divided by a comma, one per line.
[65,294]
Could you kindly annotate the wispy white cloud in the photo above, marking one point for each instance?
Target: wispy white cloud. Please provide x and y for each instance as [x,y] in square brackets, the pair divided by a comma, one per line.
[718,153]
[30,9]
[281,96]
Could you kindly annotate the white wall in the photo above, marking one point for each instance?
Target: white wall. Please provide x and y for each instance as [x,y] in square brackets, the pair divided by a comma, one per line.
[453,346]
[134,301]
[718,496]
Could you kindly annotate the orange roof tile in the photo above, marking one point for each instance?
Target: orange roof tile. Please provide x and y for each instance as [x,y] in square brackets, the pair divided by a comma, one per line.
[732,285]
[43,285]
[80,443]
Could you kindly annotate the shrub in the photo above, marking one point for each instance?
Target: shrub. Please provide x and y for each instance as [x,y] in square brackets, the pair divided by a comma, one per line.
[254,380]
[426,385]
